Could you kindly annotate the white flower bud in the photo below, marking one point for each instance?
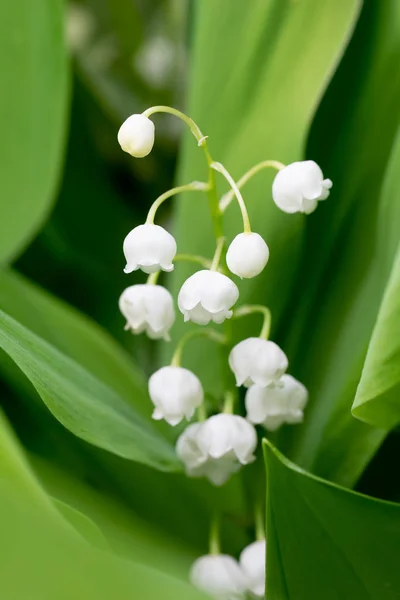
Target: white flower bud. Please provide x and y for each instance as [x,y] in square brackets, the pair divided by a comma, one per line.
[149,248]
[148,308]
[220,576]
[247,255]
[136,136]
[252,562]
[176,393]
[272,406]
[207,296]
[299,186]
[259,361]
[226,436]
[198,464]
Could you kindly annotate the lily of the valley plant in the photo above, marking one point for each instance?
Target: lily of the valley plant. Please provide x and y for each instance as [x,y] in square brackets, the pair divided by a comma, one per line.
[217,445]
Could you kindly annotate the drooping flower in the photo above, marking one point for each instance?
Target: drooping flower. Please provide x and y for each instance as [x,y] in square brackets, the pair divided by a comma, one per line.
[136,136]
[220,576]
[176,393]
[149,248]
[247,255]
[148,308]
[207,296]
[272,406]
[299,187]
[227,436]
[200,464]
[257,361]
[252,562]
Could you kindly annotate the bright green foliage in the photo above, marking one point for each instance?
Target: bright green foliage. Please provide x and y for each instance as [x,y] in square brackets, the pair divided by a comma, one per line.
[33,107]
[82,403]
[326,542]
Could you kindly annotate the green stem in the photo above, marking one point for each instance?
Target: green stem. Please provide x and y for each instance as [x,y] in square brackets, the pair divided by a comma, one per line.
[195,258]
[194,186]
[242,205]
[265,164]
[214,542]
[249,309]
[153,278]
[201,413]
[194,128]
[211,334]
[217,254]
[229,402]
[216,214]
[259,522]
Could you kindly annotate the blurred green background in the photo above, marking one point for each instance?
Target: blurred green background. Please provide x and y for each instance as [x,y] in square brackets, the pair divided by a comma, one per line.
[279,79]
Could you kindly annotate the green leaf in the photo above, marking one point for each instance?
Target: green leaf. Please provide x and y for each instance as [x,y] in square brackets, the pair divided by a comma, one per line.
[33,66]
[43,557]
[327,542]
[75,335]
[378,394]
[349,250]
[82,524]
[253,117]
[82,403]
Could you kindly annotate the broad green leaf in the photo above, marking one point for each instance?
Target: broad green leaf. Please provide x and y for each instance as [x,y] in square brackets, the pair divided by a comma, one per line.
[273,77]
[82,524]
[327,542]
[82,403]
[378,395]
[33,66]
[74,334]
[349,251]
[42,556]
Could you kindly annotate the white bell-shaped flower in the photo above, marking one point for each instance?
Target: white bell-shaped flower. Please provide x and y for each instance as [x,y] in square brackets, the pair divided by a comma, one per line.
[247,255]
[148,308]
[299,186]
[277,404]
[220,576]
[136,136]
[227,436]
[176,393]
[252,562]
[200,464]
[149,248]
[257,361]
[207,296]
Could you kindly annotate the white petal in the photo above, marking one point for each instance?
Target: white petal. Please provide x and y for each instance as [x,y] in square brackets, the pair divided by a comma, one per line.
[149,247]
[207,295]
[299,186]
[136,136]
[148,308]
[175,392]
[252,562]
[258,361]
[219,575]
[276,405]
[247,255]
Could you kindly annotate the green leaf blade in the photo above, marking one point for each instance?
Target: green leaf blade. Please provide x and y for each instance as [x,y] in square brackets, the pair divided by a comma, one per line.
[325,541]
[33,63]
[82,403]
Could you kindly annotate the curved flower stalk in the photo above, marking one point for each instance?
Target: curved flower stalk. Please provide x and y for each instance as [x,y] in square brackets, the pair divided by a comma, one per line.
[220,441]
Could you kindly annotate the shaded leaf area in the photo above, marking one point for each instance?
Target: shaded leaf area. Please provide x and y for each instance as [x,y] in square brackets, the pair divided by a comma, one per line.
[252,117]
[55,560]
[82,403]
[33,64]
[76,336]
[327,542]
[349,250]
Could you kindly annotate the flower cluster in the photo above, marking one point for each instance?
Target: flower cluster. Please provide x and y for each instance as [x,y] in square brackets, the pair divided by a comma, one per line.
[219,444]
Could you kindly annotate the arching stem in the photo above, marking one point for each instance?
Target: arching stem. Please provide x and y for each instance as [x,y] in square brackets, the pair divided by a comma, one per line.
[242,205]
